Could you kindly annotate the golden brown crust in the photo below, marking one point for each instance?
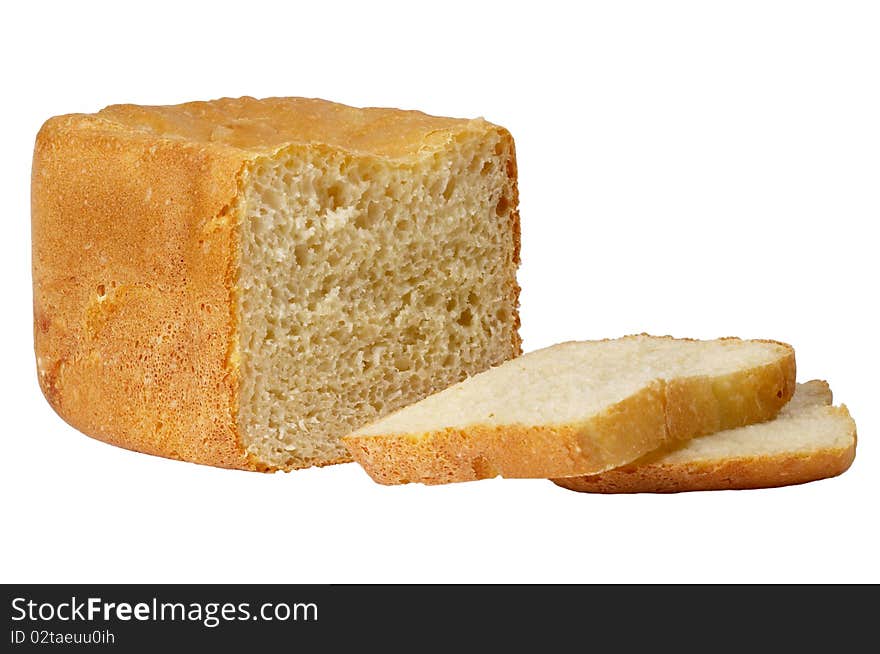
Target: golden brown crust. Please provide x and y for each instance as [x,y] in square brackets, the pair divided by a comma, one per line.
[132,241]
[661,414]
[737,473]
[135,250]
[266,125]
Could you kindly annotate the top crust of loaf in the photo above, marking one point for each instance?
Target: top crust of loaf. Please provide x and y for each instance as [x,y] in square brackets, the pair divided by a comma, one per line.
[135,244]
[263,126]
[663,411]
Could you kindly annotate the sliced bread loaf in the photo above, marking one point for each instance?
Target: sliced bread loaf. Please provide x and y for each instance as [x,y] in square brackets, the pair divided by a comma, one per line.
[241,282]
[578,408]
[808,440]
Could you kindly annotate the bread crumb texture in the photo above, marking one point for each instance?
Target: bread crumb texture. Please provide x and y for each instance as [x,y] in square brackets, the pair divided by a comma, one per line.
[365,285]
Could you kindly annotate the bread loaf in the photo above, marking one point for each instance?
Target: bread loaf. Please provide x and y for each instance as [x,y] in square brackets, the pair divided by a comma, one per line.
[808,440]
[240,282]
[578,408]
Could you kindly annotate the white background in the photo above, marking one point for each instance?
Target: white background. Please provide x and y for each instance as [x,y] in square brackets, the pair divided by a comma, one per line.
[699,169]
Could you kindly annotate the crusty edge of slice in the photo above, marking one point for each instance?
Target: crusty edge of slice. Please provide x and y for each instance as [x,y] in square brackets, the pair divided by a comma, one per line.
[662,413]
[733,473]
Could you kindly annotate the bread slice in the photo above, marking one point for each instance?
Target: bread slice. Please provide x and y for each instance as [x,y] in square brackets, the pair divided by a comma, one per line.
[808,440]
[240,282]
[578,408]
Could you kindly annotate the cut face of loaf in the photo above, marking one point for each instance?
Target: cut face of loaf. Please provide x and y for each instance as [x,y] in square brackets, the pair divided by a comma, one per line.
[241,282]
[578,408]
[808,440]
